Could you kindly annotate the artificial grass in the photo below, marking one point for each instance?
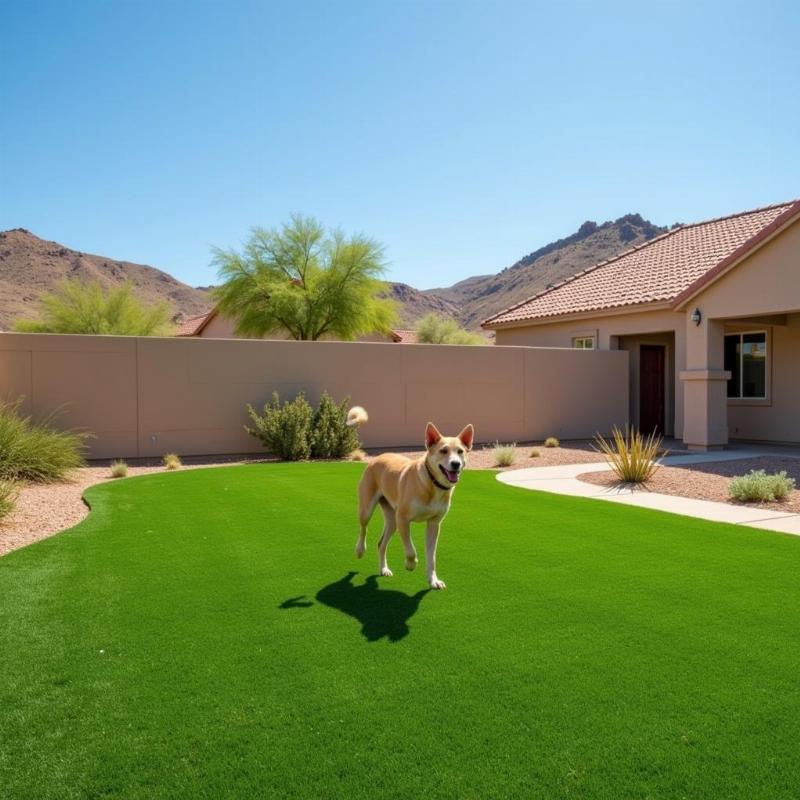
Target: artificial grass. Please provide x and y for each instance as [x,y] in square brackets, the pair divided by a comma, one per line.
[199,635]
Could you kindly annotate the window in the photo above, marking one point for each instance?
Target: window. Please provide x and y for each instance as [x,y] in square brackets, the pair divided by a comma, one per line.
[583,342]
[746,358]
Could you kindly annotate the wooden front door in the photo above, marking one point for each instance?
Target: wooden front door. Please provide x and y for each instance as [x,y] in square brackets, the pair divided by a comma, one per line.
[652,388]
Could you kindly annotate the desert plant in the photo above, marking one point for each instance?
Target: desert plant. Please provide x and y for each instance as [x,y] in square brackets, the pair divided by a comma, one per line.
[8,496]
[631,455]
[757,486]
[330,435]
[504,454]
[119,469]
[172,461]
[284,428]
[305,281]
[357,455]
[535,453]
[436,329]
[36,451]
[551,441]
[77,307]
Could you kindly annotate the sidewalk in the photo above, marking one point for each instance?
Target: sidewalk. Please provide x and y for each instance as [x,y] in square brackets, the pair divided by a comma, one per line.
[564,480]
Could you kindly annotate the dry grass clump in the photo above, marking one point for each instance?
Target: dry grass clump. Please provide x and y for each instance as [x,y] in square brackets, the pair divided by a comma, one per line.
[504,454]
[535,453]
[551,441]
[757,486]
[172,461]
[357,455]
[632,456]
[8,496]
[119,469]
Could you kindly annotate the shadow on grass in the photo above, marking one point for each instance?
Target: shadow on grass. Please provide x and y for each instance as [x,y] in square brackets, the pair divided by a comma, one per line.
[381,612]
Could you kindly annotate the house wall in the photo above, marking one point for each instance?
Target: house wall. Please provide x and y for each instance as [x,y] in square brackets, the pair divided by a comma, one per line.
[149,396]
[619,332]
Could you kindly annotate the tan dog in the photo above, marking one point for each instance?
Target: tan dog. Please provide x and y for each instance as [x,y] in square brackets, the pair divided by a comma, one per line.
[411,491]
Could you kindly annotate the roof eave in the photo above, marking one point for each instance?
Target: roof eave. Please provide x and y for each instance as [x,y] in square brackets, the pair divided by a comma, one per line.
[613,311]
[754,243]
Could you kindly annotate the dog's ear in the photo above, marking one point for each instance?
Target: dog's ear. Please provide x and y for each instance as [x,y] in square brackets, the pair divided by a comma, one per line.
[432,435]
[466,436]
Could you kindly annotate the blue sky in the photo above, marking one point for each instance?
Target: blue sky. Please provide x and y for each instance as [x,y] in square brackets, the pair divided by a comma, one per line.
[462,135]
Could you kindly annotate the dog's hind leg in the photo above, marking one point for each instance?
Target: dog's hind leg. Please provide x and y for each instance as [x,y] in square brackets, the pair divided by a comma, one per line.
[368,497]
[389,527]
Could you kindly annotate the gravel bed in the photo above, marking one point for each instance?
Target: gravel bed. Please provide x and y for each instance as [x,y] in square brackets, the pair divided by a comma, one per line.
[710,481]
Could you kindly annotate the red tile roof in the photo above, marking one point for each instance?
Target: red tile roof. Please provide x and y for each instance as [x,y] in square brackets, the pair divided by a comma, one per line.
[192,326]
[670,268]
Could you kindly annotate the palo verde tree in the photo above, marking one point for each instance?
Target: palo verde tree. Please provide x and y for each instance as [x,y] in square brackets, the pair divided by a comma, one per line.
[78,307]
[306,281]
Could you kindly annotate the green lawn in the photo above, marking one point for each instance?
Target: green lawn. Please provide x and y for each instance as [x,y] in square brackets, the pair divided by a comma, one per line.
[202,635]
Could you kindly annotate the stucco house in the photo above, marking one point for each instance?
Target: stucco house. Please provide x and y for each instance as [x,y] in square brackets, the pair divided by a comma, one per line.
[212,325]
[710,314]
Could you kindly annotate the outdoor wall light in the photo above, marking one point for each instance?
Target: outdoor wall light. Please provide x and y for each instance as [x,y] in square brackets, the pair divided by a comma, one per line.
[696,316]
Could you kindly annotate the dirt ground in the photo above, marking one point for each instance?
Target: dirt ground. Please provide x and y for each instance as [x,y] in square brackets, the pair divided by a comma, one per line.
[710,481]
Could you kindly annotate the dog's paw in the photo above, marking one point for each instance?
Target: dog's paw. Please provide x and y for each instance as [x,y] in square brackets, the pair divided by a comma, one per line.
[411,563]
[360,550]
[386,572]
[437,584]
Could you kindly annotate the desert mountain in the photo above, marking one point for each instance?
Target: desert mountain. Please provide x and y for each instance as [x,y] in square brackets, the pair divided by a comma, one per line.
[30,267]
[479,297]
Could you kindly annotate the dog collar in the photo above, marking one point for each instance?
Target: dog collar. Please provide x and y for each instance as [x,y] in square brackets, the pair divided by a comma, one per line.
[433,477]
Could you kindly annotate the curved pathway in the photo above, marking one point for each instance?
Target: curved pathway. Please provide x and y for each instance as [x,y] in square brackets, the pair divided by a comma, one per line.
[564,480]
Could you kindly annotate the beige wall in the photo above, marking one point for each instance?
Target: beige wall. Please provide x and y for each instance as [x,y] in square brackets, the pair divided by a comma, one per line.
[621,331]
[147,396]
[223,328]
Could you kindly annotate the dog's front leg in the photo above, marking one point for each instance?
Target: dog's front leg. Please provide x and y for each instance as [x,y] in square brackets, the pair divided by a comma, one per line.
[404,529]
[431,539]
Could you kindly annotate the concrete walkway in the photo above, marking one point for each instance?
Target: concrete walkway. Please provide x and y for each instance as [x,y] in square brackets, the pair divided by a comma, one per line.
[564,480]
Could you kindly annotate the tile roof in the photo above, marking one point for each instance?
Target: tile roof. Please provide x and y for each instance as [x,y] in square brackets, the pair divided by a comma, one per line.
[668,268]
[404,336]
[192,326]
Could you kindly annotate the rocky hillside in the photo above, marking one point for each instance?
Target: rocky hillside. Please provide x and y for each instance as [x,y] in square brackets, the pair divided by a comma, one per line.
[30,266]
[476,298]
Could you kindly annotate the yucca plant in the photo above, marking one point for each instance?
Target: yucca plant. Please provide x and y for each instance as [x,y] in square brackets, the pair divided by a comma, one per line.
[633,457]
[504,454]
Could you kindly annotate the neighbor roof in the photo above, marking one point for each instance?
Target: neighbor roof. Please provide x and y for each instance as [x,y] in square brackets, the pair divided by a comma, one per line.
[192,326]
[668,269]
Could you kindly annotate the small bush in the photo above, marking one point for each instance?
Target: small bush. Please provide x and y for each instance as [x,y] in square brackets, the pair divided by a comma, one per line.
[504,454]
[284,429]
[119,469]
[36,452]
[331,437]
[551,441]
[535,453]
[357,455]
[8,496]
[632,456]
[757,486]
[172,461]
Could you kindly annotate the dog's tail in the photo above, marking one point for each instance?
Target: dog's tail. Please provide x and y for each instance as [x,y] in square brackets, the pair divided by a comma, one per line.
[356,416]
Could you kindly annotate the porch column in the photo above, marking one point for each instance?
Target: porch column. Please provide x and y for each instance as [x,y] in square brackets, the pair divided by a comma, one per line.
[705,397]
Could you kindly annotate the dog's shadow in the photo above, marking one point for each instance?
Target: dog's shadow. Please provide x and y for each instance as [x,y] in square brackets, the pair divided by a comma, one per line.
[381,612]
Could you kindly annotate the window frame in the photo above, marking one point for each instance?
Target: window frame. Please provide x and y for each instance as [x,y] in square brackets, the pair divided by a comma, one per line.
[764,399]
[589,338]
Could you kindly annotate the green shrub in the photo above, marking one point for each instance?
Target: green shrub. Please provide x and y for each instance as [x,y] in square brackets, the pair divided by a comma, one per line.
[284,429]
[504,454]
[172,461]
[119,469]
[551,441]
[632,456]
[436,329]
[330,435]
[36,452]
[8,496]
[757,486]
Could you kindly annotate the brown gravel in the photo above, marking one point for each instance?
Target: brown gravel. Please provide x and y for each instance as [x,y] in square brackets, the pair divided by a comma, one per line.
[43,510]
[710,481]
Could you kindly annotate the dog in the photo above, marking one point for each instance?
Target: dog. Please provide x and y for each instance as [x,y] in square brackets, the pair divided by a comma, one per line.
[409,491]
